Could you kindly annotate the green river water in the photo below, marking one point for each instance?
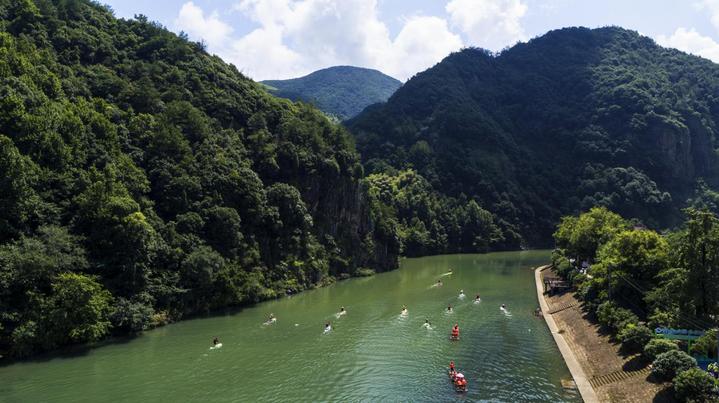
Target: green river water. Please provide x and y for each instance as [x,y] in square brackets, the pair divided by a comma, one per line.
[372,353]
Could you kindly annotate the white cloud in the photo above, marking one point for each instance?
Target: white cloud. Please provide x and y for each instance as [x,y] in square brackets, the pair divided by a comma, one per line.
[262,49]
[713,7]
[422,42]
[210,29]
[690,41]
[296,37]
[490,24]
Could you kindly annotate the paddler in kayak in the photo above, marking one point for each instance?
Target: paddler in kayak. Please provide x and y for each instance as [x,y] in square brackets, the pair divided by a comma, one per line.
[272,319]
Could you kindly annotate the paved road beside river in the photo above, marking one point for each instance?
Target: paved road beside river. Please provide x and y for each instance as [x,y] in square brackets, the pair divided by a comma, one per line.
[599,370]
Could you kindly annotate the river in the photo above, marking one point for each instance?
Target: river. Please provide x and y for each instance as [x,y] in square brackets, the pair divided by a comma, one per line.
[372,353]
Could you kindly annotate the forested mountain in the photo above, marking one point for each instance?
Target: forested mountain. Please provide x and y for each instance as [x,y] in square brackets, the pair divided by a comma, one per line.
[576,118]
[341,91]
[143,180]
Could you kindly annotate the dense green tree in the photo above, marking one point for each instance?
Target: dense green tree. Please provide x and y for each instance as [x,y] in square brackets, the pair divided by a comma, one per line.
[430,223]
[658,346]
[698,253]
[581,237]
[78,309]
[667,365]
[706,346]
[18,199]
[695,385]
[632,260]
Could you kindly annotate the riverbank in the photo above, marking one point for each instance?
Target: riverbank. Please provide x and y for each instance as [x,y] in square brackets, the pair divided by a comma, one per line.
[600,371]
[575,368]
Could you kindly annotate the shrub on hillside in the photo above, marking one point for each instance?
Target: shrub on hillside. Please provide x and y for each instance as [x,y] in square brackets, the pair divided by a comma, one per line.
[661,318]
[658,346]
[563,268]
[667,365]
[705,346]
[634,337]
[695,385]
[615,317]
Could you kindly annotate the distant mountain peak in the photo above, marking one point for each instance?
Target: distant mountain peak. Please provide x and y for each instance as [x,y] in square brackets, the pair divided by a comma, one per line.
[340,91]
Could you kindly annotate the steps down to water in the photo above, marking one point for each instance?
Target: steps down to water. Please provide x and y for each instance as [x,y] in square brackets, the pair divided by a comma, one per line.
[616,376]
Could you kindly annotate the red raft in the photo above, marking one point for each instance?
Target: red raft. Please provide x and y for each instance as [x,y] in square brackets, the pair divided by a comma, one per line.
[458,380]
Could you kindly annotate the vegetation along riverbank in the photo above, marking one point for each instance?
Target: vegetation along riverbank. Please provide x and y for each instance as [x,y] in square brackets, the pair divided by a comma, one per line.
[642,316]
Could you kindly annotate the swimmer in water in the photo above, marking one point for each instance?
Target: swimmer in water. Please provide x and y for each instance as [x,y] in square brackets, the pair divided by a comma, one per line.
[461,294]
[477,299]
[503,307]
[427,324]
[449,308]
[328,327]
[215,341]
[272,319]
[404,310]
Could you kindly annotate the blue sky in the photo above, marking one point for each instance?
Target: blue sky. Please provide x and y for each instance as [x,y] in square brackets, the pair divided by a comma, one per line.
[288,38]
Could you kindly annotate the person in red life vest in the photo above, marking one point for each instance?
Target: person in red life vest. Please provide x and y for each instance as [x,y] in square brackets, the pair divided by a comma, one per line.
[460,383]
[455,331]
